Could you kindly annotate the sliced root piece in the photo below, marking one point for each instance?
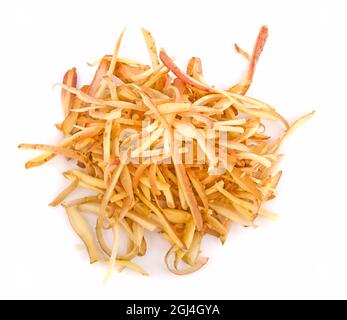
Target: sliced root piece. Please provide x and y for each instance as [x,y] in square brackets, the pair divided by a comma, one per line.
[68,153]
[115,247]
[253,60]
[189,195]
[67,98]
[229,212]
[242,52]
[133,266]
[151,47]
[66,192]
[180,74]
[83,230]
[196,266]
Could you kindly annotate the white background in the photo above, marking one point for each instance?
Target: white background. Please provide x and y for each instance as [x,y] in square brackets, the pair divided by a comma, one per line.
[303,67]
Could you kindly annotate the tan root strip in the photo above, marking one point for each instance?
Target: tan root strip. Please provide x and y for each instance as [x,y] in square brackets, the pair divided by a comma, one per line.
[68,153]
[189,195]
[196,266]
[83,230]
[67,98]
[67,191]
[180,74]
[151,47]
